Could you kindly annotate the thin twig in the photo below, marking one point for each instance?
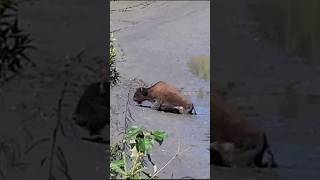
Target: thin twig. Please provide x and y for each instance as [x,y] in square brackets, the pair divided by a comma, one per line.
[173,157]
[54,135]
[127,118]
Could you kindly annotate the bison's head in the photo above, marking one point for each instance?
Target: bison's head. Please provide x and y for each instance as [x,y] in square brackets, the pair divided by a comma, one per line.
[140,95]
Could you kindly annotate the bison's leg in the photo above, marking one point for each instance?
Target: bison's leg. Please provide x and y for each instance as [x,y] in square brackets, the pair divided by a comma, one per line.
[224,152]
[265,158]
[156,105]
[217,158]
[175,109]
[182,110]
[250,146]
[169,108]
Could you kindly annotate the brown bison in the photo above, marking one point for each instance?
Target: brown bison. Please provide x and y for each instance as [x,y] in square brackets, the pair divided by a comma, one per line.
[164,98]
[236,142]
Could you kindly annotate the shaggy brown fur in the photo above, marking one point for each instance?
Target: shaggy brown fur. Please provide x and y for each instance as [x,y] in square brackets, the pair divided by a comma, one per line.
[164,98]
[244,144]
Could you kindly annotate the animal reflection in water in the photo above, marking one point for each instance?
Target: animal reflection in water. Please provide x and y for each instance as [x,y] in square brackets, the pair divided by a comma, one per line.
[236,142]
[91,110]
[164,98]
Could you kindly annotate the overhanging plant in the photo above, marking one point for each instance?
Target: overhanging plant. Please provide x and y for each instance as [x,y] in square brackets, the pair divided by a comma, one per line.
[140,142]
[13,42]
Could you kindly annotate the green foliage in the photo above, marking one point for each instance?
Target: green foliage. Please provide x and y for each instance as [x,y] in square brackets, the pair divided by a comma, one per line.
[114,74]
[13,42]
[141,142]
[144,139]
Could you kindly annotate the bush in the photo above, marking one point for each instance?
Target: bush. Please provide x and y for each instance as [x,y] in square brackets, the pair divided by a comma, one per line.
[13,42]
[140,142]
[114,74]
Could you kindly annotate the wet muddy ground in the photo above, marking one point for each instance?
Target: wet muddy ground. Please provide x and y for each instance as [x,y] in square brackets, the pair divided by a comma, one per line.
[156,41]
[277,93]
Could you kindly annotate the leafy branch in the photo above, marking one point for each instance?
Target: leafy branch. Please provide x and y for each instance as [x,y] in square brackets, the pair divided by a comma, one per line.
[140,142]
[13,42]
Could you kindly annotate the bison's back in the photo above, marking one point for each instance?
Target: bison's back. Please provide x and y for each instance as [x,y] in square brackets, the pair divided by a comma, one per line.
[169,94]
[229,123]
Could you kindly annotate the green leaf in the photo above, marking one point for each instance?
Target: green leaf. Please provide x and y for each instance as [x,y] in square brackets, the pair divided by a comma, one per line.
[148,145]
[117,166]
[140,145]
[117,163]
[159,136]
[133,132]
[145,145]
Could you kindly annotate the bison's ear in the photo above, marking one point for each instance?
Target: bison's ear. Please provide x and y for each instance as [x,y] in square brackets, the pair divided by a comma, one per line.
[144,91]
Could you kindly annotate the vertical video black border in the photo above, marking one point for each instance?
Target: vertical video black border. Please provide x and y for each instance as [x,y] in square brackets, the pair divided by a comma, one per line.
[212,25]
[107,50]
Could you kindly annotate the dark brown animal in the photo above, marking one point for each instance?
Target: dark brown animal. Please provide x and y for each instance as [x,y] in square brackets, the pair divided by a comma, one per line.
[164,98]
[92,109]
[237,141]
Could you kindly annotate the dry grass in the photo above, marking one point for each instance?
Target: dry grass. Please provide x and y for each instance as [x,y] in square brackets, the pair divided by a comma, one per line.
[200,66]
